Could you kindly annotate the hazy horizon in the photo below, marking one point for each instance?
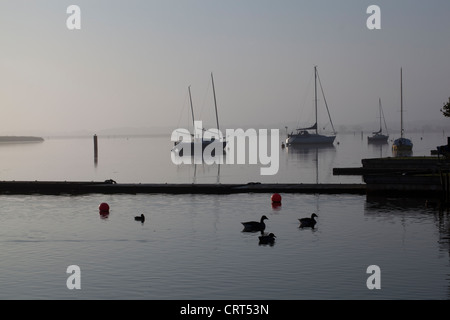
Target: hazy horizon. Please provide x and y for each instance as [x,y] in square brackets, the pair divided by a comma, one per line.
[132,61]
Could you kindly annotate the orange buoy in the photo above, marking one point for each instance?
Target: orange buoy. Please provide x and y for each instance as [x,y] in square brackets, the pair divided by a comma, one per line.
[104,207]
[276,198]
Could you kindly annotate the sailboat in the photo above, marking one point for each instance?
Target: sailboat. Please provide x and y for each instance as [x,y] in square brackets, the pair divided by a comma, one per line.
[402,144]
[303,135]
[379,137]
[179,146]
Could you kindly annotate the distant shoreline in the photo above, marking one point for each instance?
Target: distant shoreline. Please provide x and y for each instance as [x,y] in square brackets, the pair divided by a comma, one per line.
[14,139]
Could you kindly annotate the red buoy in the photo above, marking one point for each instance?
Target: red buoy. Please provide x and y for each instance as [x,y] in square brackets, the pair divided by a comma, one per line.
[104,207]
[276,206]
[276,198]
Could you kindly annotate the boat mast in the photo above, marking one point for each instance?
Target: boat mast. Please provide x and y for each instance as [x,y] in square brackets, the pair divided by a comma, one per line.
[384,119]
[215,101]
[315,95]
[401,102]
[379,103]
[192,108]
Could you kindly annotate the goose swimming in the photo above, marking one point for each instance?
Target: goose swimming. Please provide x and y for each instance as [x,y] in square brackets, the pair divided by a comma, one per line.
[308,222]
[267,239]
[255,225]
[140,218]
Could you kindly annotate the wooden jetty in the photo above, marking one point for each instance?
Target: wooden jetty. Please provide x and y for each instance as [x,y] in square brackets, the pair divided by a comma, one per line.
[407,165]
[408,176]
[109,187]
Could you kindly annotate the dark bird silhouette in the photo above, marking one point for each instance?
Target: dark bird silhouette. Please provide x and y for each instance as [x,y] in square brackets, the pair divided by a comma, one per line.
[308,222]
[140,218]
[255,225]
[267,239]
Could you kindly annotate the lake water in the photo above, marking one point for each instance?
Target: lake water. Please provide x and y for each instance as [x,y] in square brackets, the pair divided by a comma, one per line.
[192,246]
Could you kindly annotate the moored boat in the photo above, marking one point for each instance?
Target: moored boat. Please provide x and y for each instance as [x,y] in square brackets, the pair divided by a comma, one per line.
[402,145]
[379,137]
[303,135]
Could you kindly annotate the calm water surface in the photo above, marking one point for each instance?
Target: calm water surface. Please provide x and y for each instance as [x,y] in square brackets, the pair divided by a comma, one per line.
[193,247]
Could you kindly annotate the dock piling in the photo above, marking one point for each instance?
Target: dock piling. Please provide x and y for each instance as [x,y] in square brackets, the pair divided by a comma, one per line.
[95,149]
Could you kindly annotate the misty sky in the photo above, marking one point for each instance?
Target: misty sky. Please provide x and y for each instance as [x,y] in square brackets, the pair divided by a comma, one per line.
[132,61]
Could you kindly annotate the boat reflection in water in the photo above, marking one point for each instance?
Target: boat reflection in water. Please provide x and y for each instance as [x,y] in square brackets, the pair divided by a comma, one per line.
[309,154]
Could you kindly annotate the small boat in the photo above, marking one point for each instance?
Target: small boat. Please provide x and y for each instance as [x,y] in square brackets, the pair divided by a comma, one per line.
[402,145]
[303,135]
[379,137]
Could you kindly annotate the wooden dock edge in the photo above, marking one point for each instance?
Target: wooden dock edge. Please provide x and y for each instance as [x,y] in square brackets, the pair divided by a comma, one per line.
[66,187]
[82,188]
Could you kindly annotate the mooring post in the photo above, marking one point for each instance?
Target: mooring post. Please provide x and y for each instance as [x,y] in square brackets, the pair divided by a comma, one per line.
[95,149]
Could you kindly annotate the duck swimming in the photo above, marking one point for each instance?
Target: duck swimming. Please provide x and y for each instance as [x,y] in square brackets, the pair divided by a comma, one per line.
[255,225]
[267,239]
[308,222]
[140,218]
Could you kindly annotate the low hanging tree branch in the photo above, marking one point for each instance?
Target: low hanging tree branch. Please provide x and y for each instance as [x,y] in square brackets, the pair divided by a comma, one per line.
[446,109]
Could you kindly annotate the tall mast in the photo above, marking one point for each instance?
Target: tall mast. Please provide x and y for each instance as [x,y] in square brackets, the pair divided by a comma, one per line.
[379,103]
[401,102]
[315,95]
[215,101]
[192,108]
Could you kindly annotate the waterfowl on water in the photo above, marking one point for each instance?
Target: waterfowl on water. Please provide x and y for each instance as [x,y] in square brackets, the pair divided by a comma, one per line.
[267,239]
[308,222]
[255,225]
[140,218]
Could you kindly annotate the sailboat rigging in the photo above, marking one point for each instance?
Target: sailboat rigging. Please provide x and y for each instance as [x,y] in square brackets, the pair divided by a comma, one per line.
[180,145]
[379,137]
[402,144]
[303,136]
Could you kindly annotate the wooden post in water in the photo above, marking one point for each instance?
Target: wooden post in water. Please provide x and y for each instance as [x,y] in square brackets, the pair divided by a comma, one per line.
[95,149]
